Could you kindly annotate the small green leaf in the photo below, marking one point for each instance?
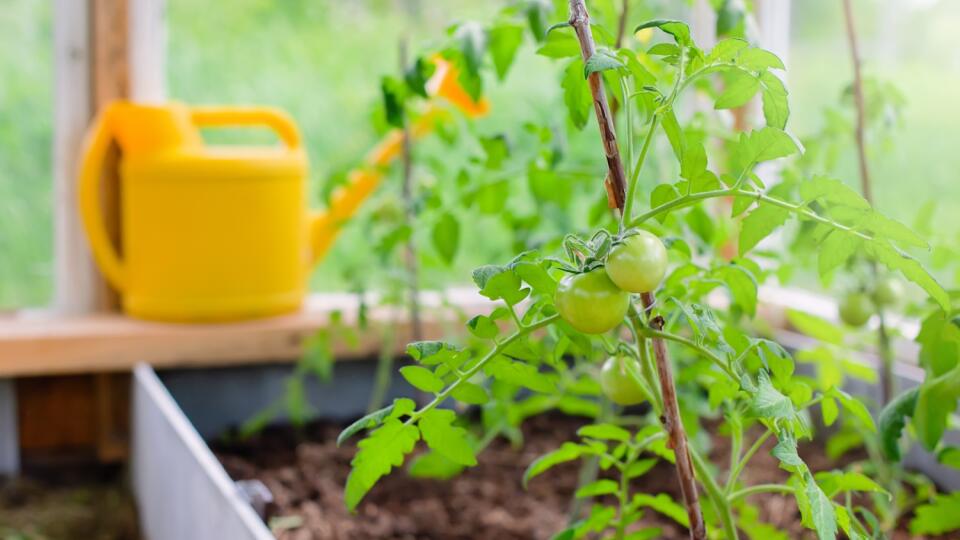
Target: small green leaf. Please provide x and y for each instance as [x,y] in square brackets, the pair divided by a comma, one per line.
[560,45]
[937,517]
[446,237]
[739,90]
[835,250]
[382,450]
[759,224]
[472,394]
[639,468]
[433,465]
[726,50]
[373,419]
[422,378]
[671,127]
[394,94]
[499,282]
[815,327]
[679,30]
[417,75]
[762,144]
[829,409]
[936,401]
[949,456]
[833,191]
[446,439]
[472,38]
[568,452]
[602,60]
[834,483]
[759,59]
[776,108]
[742,286]
[663,504]
[519,374]
[768,402]
[505,39]
[786,451]
[855,407]
[604,432]
[604,486]
[821,515]
[893,420]
[576,94]
[483,327]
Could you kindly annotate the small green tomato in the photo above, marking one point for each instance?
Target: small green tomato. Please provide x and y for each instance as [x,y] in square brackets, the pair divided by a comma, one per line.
[889,292]
[617,384]
[590,302]
[856,308]
[638,263]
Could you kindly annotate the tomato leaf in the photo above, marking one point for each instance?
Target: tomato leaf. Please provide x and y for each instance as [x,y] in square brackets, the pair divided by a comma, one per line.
[422,378]
[380,452]
[446,237]
[446,439]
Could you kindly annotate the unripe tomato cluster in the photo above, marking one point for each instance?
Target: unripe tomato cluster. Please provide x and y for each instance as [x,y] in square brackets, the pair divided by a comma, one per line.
[596,301]
[857,307]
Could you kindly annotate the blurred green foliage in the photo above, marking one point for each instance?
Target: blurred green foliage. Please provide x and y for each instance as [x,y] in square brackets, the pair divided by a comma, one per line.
[322,61]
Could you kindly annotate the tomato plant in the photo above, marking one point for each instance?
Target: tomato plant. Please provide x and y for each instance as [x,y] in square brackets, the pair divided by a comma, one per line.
[565,302]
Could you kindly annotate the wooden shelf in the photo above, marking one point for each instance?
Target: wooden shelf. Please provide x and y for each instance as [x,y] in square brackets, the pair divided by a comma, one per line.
[47,345]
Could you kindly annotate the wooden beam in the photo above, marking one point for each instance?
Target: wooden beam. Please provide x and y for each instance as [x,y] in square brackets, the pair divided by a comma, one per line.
[113,342]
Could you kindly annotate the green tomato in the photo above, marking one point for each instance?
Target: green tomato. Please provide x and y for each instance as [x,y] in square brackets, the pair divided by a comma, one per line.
[638,263]
[856,308]
[889,292]
[617,384]
[590,302]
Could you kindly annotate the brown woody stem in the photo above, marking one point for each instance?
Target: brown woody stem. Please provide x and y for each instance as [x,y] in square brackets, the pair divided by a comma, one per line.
[674,426]
[616,182]
[887,382]
[616,185]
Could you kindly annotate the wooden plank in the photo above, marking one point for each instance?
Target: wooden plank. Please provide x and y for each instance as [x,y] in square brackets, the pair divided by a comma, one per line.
[113,342]
[57,415]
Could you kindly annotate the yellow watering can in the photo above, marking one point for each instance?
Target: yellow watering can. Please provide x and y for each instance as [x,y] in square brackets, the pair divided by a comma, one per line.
[220,233]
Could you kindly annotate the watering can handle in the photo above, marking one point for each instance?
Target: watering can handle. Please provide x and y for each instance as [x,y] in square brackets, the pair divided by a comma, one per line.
[96,144]
[275,119]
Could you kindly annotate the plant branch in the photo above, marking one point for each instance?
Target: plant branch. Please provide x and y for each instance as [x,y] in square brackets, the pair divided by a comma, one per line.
[703,351]
[622,24]
[616,182]
[716,496]
[474,369]
[754,448]
[673,425]
[760,488]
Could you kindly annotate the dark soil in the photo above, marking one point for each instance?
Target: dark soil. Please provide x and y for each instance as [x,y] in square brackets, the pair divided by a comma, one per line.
[306,472]
[84,506]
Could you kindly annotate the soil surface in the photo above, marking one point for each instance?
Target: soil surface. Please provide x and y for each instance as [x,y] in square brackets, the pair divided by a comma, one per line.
[89,505]
[305,472]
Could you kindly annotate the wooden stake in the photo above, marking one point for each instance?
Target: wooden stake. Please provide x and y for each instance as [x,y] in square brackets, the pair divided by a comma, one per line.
[616,186]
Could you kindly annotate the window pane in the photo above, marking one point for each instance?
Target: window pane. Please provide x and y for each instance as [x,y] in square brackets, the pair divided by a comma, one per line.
[26,131]
[911,45]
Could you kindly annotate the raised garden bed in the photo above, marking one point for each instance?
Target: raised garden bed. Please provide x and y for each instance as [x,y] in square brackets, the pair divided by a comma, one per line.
[184,490]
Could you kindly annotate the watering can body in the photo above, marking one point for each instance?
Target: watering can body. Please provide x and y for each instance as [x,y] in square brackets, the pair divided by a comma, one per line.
[208,233]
